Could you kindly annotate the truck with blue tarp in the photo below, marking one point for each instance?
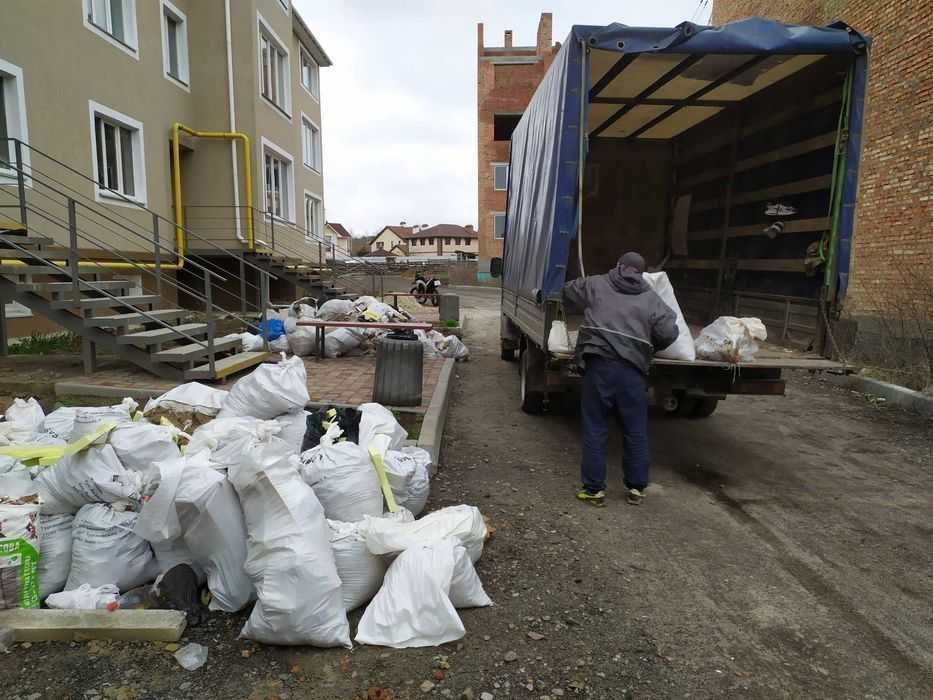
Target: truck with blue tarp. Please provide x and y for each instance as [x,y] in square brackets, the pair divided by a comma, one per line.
[727,156]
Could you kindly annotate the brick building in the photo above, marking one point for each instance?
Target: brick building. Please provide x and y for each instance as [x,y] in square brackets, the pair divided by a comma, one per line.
[892,266]
[506,78]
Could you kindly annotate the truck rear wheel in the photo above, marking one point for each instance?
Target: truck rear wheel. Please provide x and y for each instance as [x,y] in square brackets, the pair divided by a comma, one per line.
[679,404]
[705,407]
[532,367]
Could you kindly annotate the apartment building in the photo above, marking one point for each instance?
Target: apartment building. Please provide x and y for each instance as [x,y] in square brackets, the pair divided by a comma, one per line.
[97,85]
[446,240]
[506,78]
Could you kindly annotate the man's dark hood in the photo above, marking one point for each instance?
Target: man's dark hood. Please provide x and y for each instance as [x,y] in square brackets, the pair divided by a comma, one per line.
[626,276]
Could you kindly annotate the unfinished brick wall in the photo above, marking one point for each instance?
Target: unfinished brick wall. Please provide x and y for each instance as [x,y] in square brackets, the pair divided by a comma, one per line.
[506,77]
[892,262]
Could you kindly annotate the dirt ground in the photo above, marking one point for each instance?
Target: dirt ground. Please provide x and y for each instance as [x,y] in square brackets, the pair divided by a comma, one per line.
[785,550]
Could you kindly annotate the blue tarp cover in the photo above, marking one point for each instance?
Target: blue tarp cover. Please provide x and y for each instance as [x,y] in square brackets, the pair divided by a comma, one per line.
[541,221]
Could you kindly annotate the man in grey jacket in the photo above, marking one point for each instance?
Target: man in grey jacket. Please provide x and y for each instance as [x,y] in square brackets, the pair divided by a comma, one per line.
[624,323]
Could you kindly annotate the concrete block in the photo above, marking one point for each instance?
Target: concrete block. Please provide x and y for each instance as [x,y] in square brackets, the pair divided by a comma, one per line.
[68,625]
[449,308]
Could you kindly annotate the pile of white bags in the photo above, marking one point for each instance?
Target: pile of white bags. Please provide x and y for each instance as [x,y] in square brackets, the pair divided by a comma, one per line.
[343,341]
[360,571]
[139,444]
[436,344]
[416,606]
[731,339]
[336,310]
[222,439]
[95,475]
[106,550]
[187,405]
[683,348]
[343,478]
[268,391]
[22,421]
[289,557]
[54,552]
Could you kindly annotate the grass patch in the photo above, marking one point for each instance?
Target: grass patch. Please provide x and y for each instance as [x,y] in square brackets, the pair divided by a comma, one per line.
[46,344]
[451,323]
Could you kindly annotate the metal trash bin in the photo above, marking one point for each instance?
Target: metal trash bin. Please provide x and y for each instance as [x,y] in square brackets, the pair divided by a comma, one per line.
[399,370]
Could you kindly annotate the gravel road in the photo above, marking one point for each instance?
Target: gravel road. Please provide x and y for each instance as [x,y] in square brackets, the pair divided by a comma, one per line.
[785,550]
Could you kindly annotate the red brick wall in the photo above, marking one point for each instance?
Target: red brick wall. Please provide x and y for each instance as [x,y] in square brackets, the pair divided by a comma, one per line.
[893,246]
[502,88]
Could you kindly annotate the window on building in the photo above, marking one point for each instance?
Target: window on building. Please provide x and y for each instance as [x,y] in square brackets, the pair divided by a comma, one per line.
[380,245]
[279,186]
[448,241]
[500,176]
[498,225]
[119,161]
[430,241]
[310,74]
[115,20]
[503,125]
[175,43]
[314,217]
[273,60]
[12,117]
[310,144]
[459,241]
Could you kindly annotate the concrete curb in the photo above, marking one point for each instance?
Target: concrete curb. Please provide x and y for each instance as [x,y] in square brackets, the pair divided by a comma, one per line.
[899,396]
[432,427]
[105,392]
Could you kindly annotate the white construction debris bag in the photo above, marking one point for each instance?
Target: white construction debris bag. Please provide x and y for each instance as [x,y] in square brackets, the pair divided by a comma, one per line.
[407,473]
[683,348]
[343,478]
[429,341]
[293,427]
[84,597]
[195,502]
[16,482]
[466,590]
[140,444]
[464,523]
[57,426]
[106,550]
[269,390]
[301,339]
[414,607]
[336,310]
[452,346]
[187,405]
[88,418]
[94,475]
[54,552]
[22,421]
[379,430]
[558,339]
[360,571]
[341,341]
[223,439]
[250,342]
[731,339]
[289,556]
[19,551]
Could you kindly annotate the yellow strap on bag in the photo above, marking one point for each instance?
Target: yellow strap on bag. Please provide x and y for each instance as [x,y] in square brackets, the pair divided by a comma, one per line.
[376,458]
[44,455]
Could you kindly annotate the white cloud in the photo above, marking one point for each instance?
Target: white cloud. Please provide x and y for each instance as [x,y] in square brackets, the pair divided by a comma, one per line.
[399,103]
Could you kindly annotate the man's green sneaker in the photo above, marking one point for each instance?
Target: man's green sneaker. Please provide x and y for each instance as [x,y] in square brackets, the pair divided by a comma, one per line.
[597,499]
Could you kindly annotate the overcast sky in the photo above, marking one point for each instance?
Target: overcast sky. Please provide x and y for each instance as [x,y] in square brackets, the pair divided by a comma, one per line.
[399,103]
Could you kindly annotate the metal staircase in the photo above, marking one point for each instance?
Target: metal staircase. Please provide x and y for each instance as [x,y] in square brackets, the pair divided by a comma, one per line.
[87,287]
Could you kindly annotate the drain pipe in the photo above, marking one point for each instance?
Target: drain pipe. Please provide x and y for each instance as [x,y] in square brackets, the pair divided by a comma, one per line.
[232,107]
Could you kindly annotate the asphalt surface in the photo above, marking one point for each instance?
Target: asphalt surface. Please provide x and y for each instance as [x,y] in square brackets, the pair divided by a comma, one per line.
[785,550]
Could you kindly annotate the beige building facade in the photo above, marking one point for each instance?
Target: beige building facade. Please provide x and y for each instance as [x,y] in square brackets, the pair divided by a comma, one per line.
[445,239]
[96,85]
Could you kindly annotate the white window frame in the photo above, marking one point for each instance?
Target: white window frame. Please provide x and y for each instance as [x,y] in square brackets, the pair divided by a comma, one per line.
[494,167]
[281,154]
[317,235]
[264,30]
[317,155]
[285,5]
[495,215]
[14,101]
[131,46]
[102,194]
[183,79]
[314,89]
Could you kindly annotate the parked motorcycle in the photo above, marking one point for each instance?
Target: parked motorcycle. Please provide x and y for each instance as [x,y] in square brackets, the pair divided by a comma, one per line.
[426,291]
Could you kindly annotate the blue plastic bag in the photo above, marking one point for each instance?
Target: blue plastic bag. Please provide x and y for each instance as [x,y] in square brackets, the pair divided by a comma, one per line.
[272,329]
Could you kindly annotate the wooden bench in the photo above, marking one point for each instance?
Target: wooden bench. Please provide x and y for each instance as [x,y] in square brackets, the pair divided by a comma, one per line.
[320,325]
